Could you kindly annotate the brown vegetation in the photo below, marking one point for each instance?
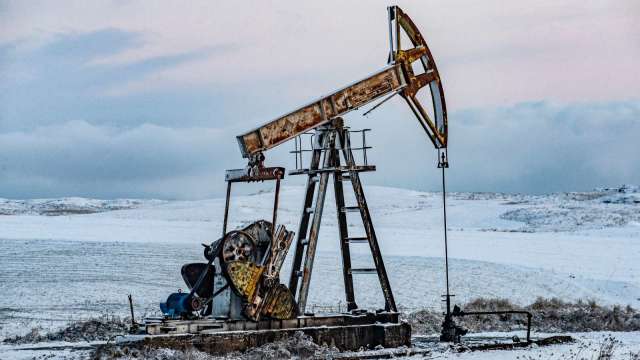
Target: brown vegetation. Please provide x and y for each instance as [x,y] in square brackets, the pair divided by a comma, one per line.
[102,328]
[549,315]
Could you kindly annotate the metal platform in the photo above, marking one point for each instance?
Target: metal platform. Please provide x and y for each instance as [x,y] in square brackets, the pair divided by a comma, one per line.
[347,332]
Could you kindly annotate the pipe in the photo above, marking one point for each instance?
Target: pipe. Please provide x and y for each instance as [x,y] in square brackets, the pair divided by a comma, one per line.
[529,316]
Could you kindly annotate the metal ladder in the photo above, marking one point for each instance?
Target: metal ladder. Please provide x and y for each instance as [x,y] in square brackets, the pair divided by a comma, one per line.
[329,141]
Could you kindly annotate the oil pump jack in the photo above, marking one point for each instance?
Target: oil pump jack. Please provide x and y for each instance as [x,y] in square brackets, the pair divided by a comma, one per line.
[241,279]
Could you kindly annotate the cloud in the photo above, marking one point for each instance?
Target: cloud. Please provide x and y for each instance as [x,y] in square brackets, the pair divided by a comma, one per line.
[529,147]
[59,81]
[166,72]
[83,159]
[493,53]
[164,89]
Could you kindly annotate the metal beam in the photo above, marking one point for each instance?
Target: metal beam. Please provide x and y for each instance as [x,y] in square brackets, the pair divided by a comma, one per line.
[308,117]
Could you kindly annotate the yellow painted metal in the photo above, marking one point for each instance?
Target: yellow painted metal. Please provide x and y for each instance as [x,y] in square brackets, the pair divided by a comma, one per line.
[245,276]
[280,303]
[275,301]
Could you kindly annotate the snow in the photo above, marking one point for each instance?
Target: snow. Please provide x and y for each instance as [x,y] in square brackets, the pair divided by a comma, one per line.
[586,346]
[68,206]
[582,234]
[85,260]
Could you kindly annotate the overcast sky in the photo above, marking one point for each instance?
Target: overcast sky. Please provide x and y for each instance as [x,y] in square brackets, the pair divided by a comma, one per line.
[144,99]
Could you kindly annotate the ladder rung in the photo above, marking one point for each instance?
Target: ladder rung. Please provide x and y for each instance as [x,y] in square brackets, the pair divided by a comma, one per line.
[363,271]
[357,239]
[350,208]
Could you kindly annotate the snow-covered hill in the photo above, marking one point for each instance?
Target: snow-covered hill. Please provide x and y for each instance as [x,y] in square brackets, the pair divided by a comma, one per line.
[601,208]
[592,234]
[85,261]
[68,206]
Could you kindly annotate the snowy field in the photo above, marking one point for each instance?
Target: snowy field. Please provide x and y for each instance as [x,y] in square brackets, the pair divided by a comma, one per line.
[587,346]
[66,259]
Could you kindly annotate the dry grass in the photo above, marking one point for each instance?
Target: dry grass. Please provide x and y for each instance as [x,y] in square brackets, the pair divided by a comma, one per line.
[101,328]
[299,346]
[549,315]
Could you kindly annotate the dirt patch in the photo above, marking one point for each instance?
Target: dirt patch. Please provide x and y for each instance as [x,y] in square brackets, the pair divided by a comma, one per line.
[549,315]
[87,330]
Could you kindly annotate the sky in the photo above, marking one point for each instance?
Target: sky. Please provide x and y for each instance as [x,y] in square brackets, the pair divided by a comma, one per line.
[144,99]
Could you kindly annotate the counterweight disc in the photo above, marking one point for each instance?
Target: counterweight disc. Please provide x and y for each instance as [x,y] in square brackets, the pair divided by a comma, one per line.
[239,245]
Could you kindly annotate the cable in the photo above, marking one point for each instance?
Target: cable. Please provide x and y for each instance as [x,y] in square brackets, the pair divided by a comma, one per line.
[443,164]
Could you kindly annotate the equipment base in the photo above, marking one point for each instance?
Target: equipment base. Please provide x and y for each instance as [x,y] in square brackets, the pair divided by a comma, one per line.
[347,332]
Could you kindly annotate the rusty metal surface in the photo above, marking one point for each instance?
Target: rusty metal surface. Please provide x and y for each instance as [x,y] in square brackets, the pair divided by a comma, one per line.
[244,276]
[255,280]
[276,199]
[259,230]
[303,225]
[397,77]
[280,247]
[226,209]
[334,137]
[345,251]
[239,245]
[279,303]
[358,168]
[321,111]
[346,332]
[390,304]
[251,174]
[312,240]
[168,326]
[261,287]
[271,298]
[264,298]
[437,128]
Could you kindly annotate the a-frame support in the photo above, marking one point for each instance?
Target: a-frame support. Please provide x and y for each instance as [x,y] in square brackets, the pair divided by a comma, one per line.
[329,143]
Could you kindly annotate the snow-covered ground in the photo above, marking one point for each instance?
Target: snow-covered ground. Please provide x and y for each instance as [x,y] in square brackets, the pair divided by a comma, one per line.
[587,346]
[93,253]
